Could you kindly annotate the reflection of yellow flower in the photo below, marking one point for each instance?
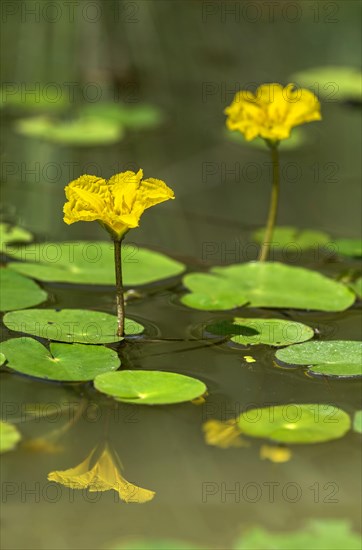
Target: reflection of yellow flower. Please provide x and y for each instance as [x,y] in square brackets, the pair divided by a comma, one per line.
[103,475]
[275,453]
[272,112]
[117,203]
[223,434]
[42,445]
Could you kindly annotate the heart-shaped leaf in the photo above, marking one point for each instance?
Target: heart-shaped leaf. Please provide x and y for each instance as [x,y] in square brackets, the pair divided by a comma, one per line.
[12,234]
[293,239]
[64,362]
[333,358]
[141,387]
[70,325]
[349,247]
[18,292]
[92,263]
[264,284]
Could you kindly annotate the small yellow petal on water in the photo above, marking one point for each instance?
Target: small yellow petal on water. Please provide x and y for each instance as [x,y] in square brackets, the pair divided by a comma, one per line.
[223,434]
[274,453]
[249,359]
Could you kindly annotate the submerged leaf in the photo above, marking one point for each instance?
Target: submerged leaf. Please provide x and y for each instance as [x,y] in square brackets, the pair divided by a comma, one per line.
[273,332]
[332,82]
[341,358]
[349,247]
[9,437]
[357,422]
[293,239]
[64,362]
[295,423]
[149,387]
[86,131]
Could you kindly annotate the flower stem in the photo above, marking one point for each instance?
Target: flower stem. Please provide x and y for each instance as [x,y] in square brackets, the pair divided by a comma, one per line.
[273,207]
[119,286]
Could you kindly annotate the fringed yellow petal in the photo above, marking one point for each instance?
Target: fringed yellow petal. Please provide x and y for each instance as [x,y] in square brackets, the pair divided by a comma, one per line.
[117,203]
[272,112]
[275,453]
[223,434]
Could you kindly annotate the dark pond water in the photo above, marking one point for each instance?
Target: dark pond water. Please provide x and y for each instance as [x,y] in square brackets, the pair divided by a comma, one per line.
[202,492]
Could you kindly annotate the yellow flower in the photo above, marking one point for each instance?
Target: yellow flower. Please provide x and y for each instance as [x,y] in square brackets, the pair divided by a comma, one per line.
[275,454]
[117,203]
[272,112]
[223,434]
[103,475]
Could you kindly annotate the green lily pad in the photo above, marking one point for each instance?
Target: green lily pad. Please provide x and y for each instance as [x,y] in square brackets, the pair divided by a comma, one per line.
[297,139]
[70,325]
[18,292]
[331,83]
[92,263]
[349,247]
[65,362]
[142,387]
[9,437]
[273,332]
[152,544]
[2,359]
[265,284]
[216,294]
[44,97]
[325,534]
[291,238]
[12,234]
[334,358]
[357,422]
[295,423]
[85,131]
[131,116]
[357,287]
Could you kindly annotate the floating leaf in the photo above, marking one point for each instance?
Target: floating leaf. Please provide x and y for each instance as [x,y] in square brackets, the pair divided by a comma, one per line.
[265,284]
[2,359]
[18,292]
[297,139]
[292,238]
[70,325]
[152,544]
[331,83]
[273,332]
[40,97]
[211,292]
[86,131]
[92,263]
[131,116]
[357,287]
[12,234]
[349,247]
[334,358]
[65,362]
[142,387]
[330,534]
[357,422]
[295,423]
[9,437]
